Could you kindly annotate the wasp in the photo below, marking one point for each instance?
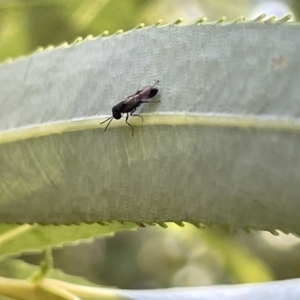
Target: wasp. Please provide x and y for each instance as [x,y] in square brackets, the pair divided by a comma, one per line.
[131,103]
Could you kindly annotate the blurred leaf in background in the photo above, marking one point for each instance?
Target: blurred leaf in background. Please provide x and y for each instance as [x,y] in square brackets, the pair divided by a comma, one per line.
[153,257]
[26,25]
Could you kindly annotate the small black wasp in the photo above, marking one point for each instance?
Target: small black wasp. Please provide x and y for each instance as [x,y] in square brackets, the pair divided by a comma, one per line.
[130,104]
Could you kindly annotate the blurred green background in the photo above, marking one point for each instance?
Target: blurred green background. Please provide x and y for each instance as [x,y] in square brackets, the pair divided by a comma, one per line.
[151,257]
[28,24]
[155,257]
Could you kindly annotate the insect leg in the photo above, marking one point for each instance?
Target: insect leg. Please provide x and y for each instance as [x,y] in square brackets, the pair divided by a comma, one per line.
[137,115]
[127,116]
[147,101]
[110,119]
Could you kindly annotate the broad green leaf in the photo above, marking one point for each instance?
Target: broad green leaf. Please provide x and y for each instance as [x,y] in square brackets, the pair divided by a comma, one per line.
[221,147]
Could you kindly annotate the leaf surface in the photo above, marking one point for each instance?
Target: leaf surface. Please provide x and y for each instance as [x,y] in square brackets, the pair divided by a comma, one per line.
[221,147]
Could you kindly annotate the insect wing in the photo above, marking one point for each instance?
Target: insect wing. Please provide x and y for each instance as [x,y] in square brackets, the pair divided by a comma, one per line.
[131,103]
[147,92]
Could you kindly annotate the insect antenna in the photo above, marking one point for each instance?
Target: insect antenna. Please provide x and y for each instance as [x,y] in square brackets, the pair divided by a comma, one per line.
[110,119]
[155,83]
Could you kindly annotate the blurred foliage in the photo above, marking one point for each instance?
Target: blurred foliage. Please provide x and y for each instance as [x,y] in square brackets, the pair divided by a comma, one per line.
[153,257]
[14,268]
[15,239]
[26,25]
[295,5]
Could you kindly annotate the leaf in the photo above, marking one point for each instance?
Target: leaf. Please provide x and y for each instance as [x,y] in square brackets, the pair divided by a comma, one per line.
[221,147]
[18,269]
[27,238]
